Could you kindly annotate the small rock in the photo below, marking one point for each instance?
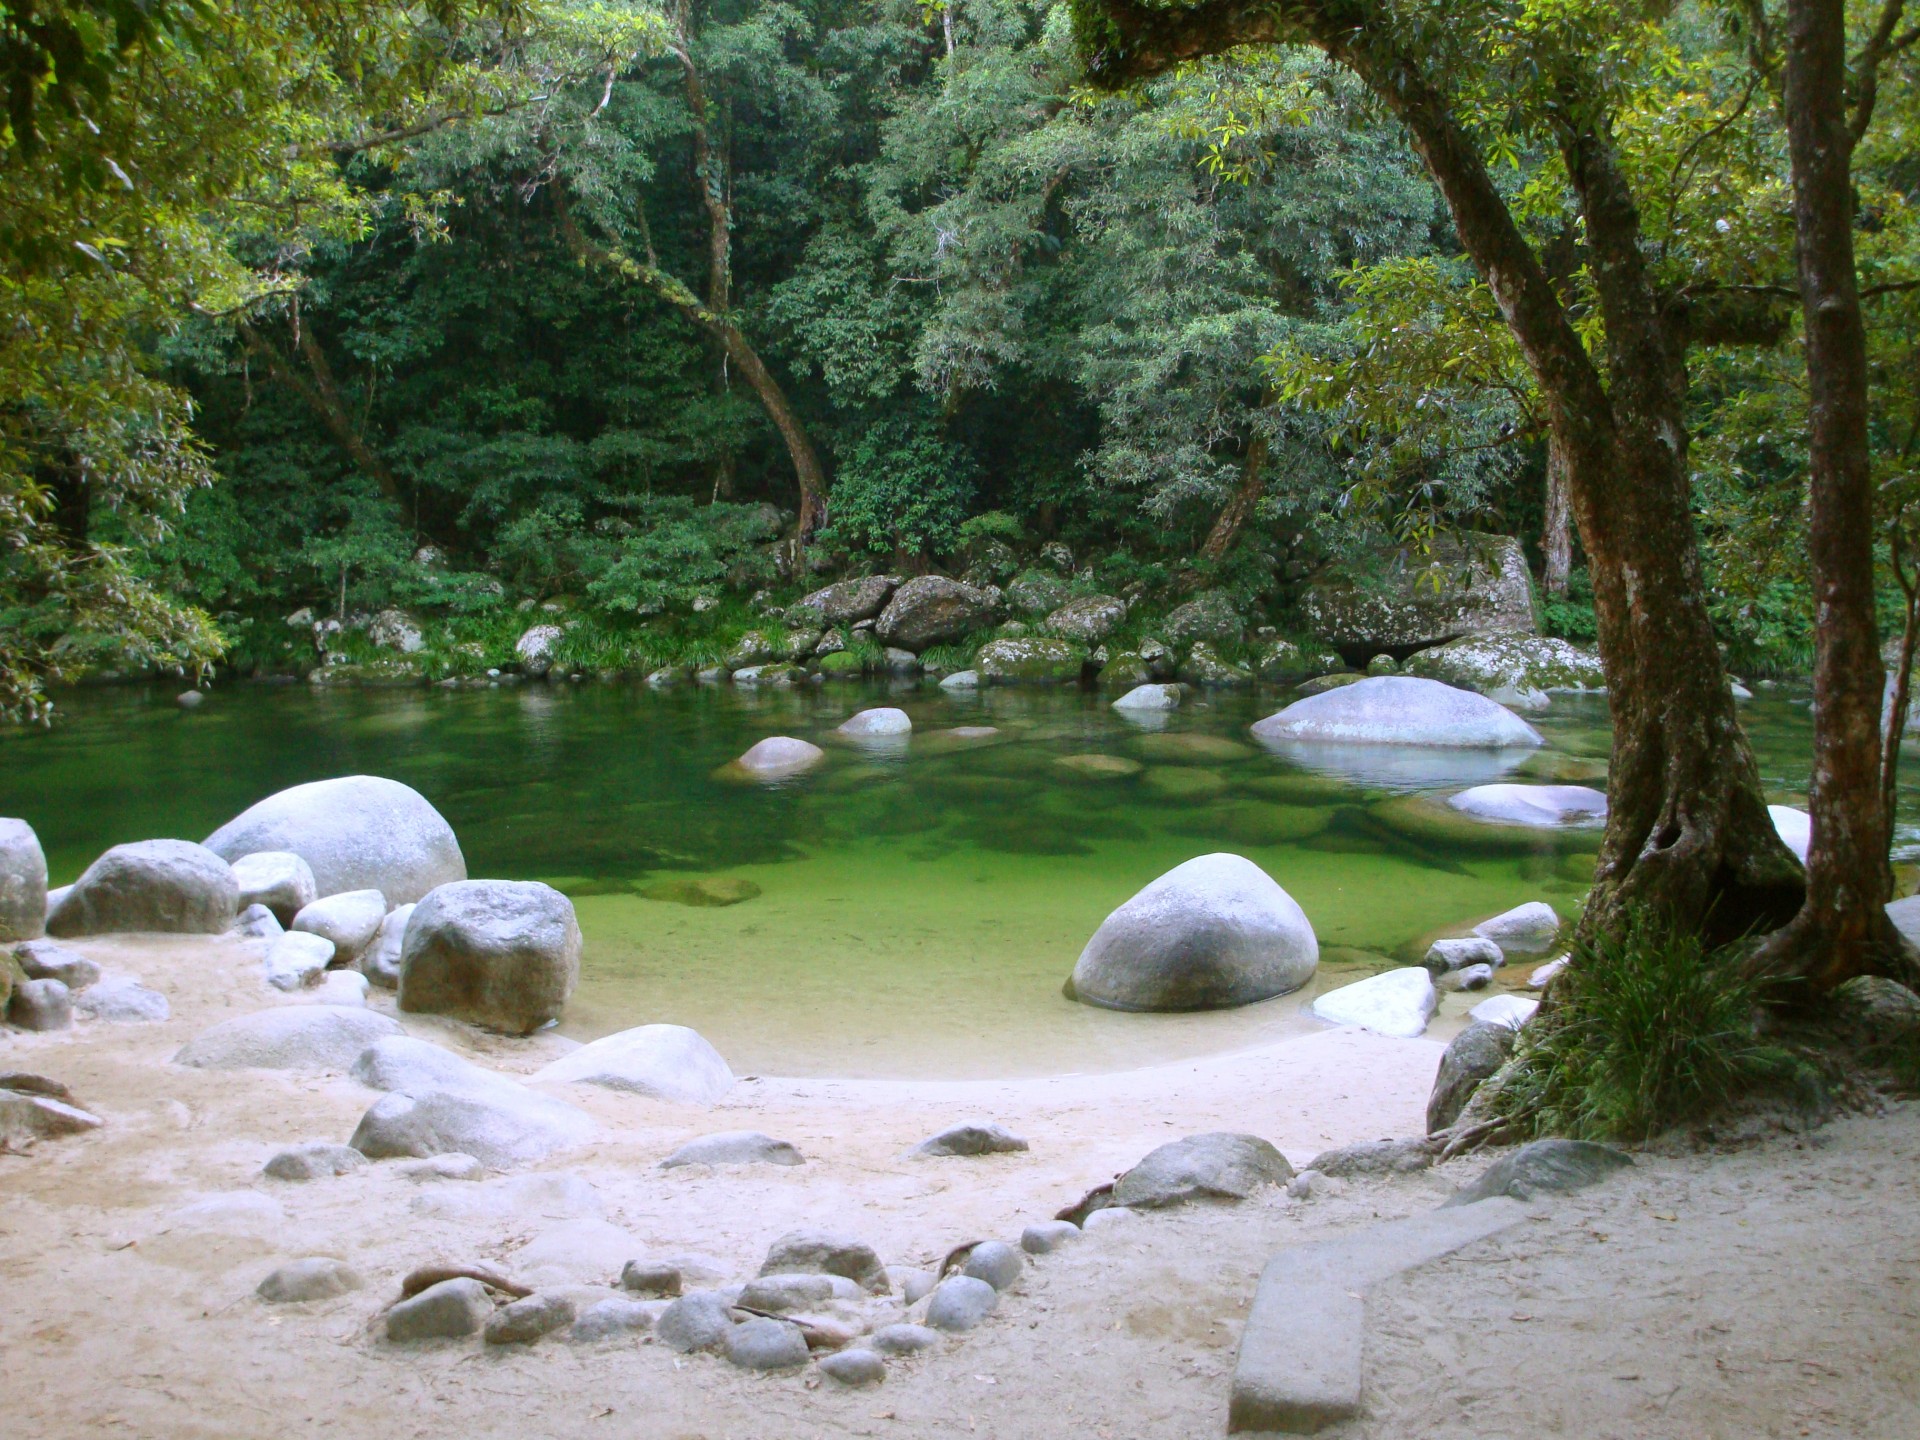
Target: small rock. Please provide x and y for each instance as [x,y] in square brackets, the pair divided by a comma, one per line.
[316,1278]
[257,922]
[884,721]
[1472,1055]
[734,1147]
[645,1277]
[277,879]
[1473,977]
[1510,1010]
[699,1321]
[1397,1003]
[1152,698]
[614,1317]
[962,680]
[1048,1236]
[1374,1157]
[349,920]
[664,1062]
[41,1005]
[1444,955]
[445,1311]
[380,961]
[296,960]
[122,999]
[854,1367]
[1217,1166]
[26,1117]
[190,699]
[970,1140]
[793,1292]
[779,756]
[767,1345]
[814,1252]
[314,1161]
[994,1262]
[346,988]
[1310,1184]
[1529,929]
[1543,975]
[1110,1216]
[451,1166]
[526,1320]
[1549,1167]
[904,1339]
[1887,1011]
[915,1285]
[46,960]
[960,1303]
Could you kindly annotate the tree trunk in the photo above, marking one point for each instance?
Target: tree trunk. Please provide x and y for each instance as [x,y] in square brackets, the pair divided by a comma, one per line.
[322,395]
[1240,505]
[1556,533]
[1842,930]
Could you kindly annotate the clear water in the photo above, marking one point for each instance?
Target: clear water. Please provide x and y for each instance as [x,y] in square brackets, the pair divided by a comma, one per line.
[919,905]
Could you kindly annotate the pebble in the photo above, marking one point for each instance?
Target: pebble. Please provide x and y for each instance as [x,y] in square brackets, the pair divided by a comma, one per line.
[444,1311]
[41,1005]
[970,1140]
[904,1339]
[699,1321]
[1048,1236]
[854,1367]
[960,1303]
[318,1277]
[766,1345]
[915,1285]
[121,998]
[526,1320]
[648,1278]
[314,1161]
[1311,1185]
[615,1317]
[454,1165]
[994,1262]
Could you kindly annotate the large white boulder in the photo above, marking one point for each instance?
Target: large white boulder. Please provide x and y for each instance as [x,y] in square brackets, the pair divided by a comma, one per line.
[779,756]
[1397,1003]
[350,920]
[277,879]
[23,882]
[293,1037]
[165,885]
[500,953]
[1214,932]
[1542,806]
[665,1062]
[1795,827]
[1397,710]
[357,832]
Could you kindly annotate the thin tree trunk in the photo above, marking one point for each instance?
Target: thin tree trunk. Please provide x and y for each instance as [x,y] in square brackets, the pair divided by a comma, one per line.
[1240,505]
[1842,930]
[1894,727]
[322,395]
[1556,533]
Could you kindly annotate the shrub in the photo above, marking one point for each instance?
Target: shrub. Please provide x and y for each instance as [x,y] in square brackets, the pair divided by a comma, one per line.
[902,489]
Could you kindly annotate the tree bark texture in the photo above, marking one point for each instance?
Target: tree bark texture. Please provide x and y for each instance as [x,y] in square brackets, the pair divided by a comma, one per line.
[1688,833]
[1556,530]
[1233,517]
[1842,930]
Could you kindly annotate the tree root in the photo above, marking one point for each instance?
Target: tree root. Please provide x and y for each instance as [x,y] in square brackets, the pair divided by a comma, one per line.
[430,1275]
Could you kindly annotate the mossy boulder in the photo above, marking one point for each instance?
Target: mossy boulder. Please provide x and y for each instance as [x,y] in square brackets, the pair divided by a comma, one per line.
[1211,617]
[1029,660]
[1286,660]
[1253,824]
[395,673]
[1182,785]
[1509,663]
[1205,667]
[1464,585]
[756,647]
[1124,671]
[1187,747]
[842,665]
[1035,592]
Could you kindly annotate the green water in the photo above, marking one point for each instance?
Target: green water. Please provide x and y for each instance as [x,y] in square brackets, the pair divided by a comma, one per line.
[919,904]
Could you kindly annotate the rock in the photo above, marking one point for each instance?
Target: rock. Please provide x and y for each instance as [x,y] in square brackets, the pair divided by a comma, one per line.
[813,1252]
[1397,1003]
[357,832]
[1471,1057]
[767,1345]
[451,1309]
[1211,933]
[664,678]
[996,1263]
[380,961]
[1541,806]
[847,601]
[755,648]
[1321,684]
[56,896]
[915,1285]
[1396,710]
[1905,915]
[498,1126]
[257,922]
[700,1321]
[413,1067]
[961,680]
[291,1037]
[41,1005]
[296,960]
[735,1147]
[162,885]
[528,1319]
[1034,592]
[1048,1236]
[1210,617]
[1310,1184]
[960,1303]
[1545,1167]
[664,1062]
[856,1368]
[1203,667]
[795,1292]
[905,1339]
[396,630]
[1088,620]
[1469,585]
[350,920]
[769,675]
[1125,671]
[874,723]
[451,1166]
[1374,1157]
[190,699]
[1216,1166]
[1384,665]
[1507,663]
[1887,1011]
[1469,977]
[1525,930]
[651,1278]
[535,648]
[23,882]
[1444,955]
[27,1117]
[1110,1217]
[319,1277]
[1152,698]
[931,609]
[45,960]
[277,879]
[702,892]
[970,1140]
[1509,1010]
[612,1318]
[504,954]
[339,987]
[122,999]
[971,732]
[1034,660]
[1543,976]
[779,756]
[1795,827]
[316,1160]
[899,663]
[1099,767]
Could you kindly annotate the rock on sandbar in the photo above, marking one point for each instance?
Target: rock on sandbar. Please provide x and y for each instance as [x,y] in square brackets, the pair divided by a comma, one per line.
[504,954]
[1397,710]
[1398,1003]
[173,886]
[734,1147]
[293,1037]
[664,1062]
[355,832]
[1525,930]
[1221,1165]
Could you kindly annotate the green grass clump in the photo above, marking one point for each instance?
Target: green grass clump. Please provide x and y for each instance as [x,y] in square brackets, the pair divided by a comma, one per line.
[1650,1029]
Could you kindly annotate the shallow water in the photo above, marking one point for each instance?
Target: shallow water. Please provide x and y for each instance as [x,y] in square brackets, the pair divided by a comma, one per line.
[920,902]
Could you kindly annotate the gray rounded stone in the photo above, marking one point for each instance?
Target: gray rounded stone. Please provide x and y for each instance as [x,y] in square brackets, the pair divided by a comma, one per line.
[1549,1167]
[931,609]
[452,1166]
[779,756]
[816,1252]
[767,1345]
[880,722]
[528,1319]
[1220,1165]
[904,1339]
[1399,710]
[41,1005]
[46,960]
[446,1311]
[1089,620]
[356,832]
[995,1262]
[971,1140]
[700,1321]
[1048,1236]
[503,954]
[613,1318]
[350,920]
[122,999]
[646,1277]
[257,922]
[314,1161]
[791,1292]
[296,960]
[277,879]
[380,961]
[1526,930]
[23,882]
[960,1303]
[854,1368]
[501,1125]
[734,1147]
[1445,955]
[318,1277]
[1472,977]
[291,1037]
[169,886]
[663,1062]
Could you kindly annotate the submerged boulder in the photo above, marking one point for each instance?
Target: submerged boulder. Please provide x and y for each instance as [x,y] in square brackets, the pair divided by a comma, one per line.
[779,756]
[931,609]
[663,1062]
[357,832]
[1397,710]
[504,954]
[164,885]
[23,882]
[1214,932]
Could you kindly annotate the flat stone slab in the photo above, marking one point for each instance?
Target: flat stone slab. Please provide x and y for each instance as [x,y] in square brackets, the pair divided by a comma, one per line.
[1299,1365]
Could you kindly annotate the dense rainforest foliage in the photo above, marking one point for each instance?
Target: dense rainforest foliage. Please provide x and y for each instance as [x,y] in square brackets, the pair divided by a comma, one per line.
[458,306]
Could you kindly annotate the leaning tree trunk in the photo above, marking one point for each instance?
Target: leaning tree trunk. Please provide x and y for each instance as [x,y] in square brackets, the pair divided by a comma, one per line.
[1556,531]
[1842,930]
[1233,516]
